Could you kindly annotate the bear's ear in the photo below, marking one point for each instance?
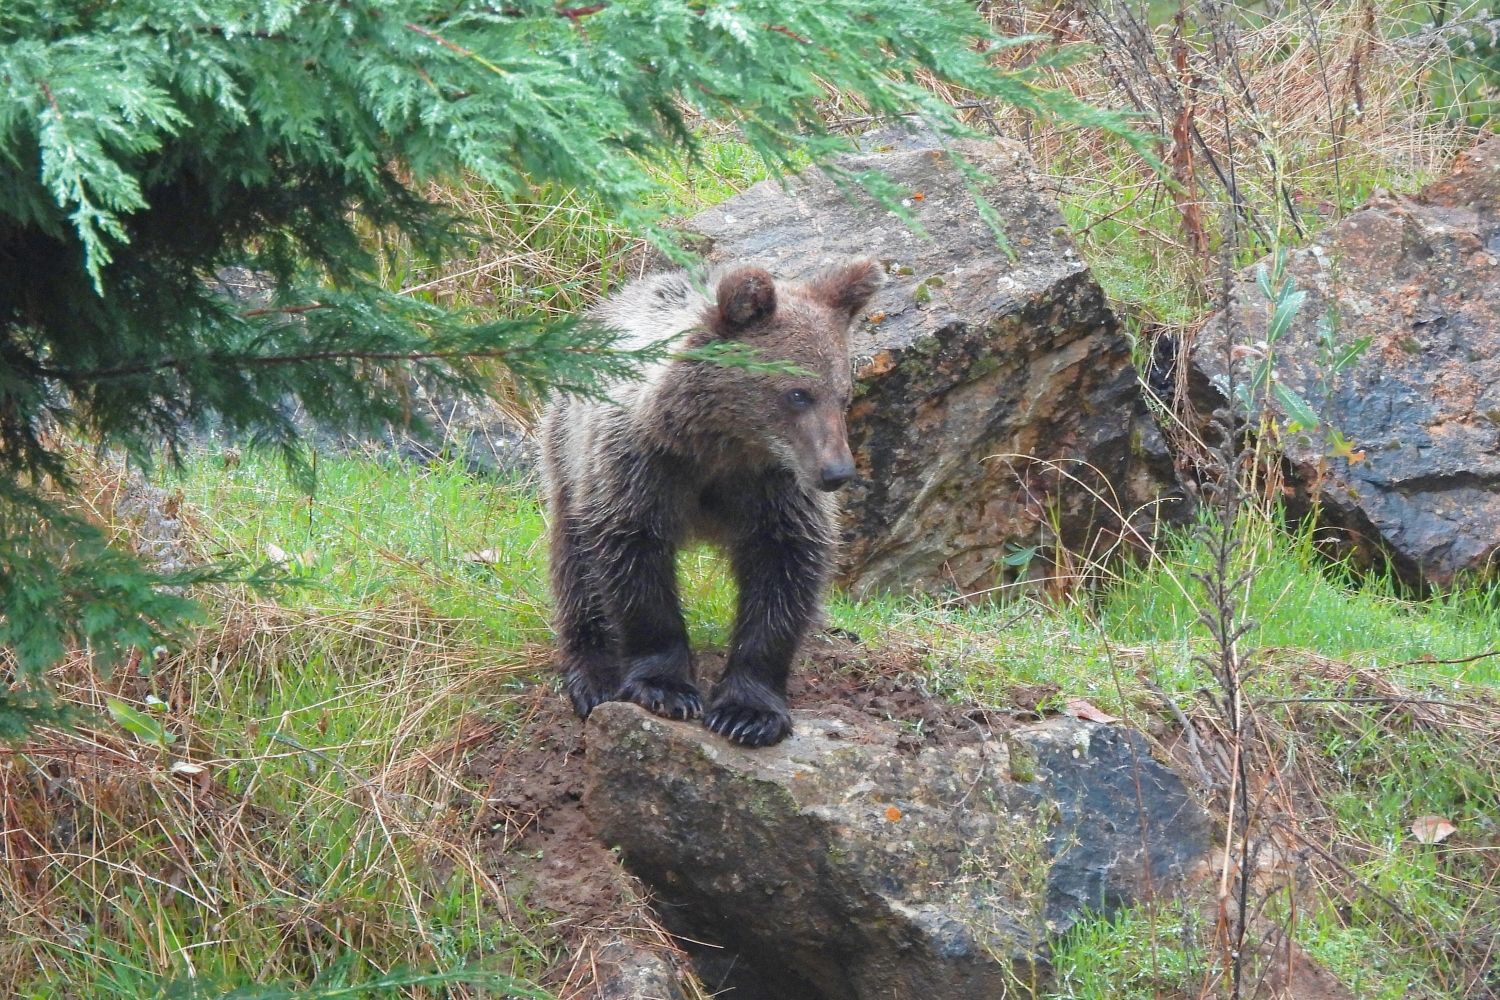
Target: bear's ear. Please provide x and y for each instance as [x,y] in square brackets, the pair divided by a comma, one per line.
[849,287]
[747,298]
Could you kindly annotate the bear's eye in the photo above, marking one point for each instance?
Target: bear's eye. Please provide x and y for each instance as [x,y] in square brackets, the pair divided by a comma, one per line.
[799,399]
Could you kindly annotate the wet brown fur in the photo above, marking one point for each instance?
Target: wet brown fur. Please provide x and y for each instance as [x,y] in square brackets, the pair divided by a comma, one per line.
[703,451]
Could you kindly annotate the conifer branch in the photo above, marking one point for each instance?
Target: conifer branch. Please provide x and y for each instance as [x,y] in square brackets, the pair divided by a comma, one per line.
[97,375]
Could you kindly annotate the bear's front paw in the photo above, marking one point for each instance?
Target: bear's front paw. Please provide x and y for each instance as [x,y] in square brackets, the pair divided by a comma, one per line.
[670,699]
[591,677]
[588,691]
[749,725]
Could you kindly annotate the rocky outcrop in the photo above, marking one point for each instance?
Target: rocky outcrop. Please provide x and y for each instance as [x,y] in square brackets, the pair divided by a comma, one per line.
[996,410]
[1419,277]
[843,865]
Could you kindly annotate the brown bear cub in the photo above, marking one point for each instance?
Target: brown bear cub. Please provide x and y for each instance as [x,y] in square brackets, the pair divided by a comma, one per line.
[695,450]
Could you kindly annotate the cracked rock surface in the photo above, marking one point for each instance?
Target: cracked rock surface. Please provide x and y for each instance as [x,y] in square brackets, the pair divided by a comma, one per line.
[1420,278]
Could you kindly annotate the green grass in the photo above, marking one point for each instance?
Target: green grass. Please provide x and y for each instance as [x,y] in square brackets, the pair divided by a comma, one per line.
[424,611]
[1298,602]
[1149,619]
[722,168]
[1134,955]
[379,531]
[385,532]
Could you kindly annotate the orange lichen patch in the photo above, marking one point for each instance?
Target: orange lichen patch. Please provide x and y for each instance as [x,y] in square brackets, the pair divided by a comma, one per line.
[893,814]
[878,365]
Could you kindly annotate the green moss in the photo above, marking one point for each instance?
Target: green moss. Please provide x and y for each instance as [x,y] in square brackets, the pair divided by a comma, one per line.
[1022,761]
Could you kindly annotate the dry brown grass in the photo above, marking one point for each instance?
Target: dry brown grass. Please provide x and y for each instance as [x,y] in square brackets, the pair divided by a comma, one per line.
[1276,125]
[276,842]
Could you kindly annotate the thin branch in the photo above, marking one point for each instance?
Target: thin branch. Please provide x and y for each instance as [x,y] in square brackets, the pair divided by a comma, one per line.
[243,360]
[1422,661]
[282,311]
[1394,699]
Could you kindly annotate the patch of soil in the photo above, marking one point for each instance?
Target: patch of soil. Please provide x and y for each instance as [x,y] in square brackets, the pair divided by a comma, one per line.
[839,676]
[540,842]
[541,845]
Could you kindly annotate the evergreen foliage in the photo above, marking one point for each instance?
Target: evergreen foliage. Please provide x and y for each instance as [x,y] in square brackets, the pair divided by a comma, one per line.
[145,145]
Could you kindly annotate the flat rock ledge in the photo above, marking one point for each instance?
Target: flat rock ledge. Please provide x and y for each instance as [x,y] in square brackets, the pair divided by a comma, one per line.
[844,865]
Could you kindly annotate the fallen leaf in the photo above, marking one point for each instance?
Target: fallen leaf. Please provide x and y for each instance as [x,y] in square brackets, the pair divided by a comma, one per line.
[1349,453]
[1080,709]
[1432,829]
[893,814]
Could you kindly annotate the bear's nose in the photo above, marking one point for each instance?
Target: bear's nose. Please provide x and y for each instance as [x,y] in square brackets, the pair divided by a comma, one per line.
[833,476]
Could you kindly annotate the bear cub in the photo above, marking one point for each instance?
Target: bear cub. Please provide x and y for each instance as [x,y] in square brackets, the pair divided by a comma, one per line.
[694,450]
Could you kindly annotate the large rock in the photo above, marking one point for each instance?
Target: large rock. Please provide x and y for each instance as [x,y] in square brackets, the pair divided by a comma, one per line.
[995,401]
[1420,277]
[841,865]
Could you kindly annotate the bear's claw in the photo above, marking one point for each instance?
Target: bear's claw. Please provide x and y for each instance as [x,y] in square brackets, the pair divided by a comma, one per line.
[585,694]
[751,727]
[666,698]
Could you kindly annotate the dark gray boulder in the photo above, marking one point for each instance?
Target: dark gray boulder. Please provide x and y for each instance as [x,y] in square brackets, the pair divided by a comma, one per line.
[841,864]
[996,408]
[1420,278]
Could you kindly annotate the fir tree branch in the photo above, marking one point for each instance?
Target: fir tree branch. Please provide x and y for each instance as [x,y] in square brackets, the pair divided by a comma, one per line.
[97,375]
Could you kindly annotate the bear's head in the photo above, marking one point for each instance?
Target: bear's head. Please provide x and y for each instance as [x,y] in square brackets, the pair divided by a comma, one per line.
[798,418]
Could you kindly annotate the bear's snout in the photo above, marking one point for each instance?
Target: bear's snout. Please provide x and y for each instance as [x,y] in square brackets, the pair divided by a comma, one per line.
[833,477]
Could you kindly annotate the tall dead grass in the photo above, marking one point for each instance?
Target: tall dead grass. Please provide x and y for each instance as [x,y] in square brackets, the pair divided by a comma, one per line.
[307,806]
[1273,127]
